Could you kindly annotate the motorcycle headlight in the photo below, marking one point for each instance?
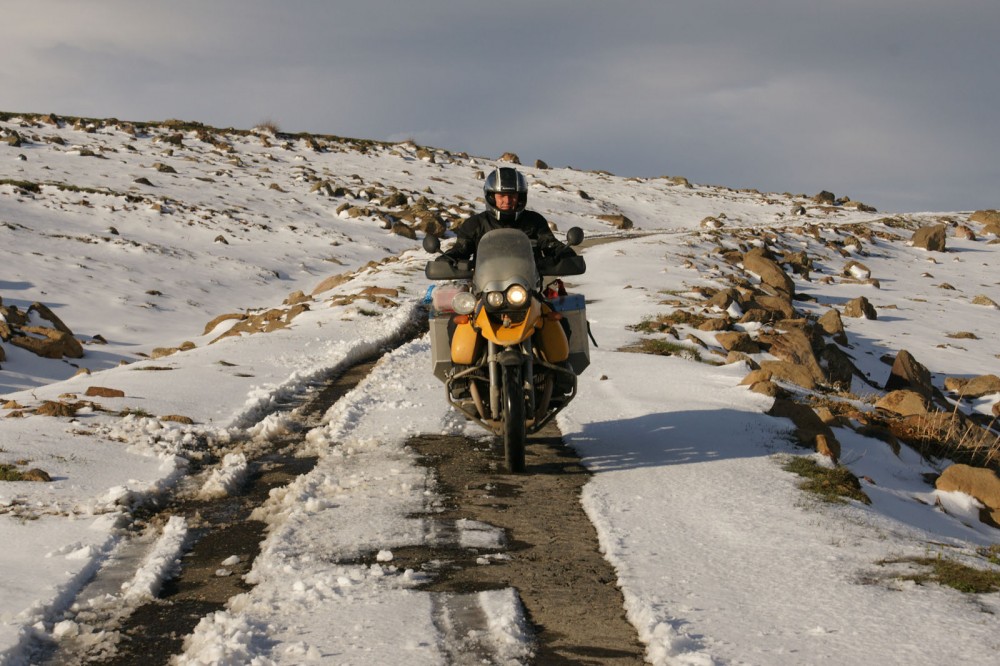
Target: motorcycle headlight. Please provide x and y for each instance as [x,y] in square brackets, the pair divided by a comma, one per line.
[494,299]
[463,303]
[517,296]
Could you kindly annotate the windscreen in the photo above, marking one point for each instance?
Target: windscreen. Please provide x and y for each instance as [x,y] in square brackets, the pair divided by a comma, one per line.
[504,257]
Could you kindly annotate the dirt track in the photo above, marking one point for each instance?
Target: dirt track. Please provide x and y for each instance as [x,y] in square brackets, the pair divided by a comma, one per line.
[566,586]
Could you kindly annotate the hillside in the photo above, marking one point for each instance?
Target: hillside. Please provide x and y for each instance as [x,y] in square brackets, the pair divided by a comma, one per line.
[202,284]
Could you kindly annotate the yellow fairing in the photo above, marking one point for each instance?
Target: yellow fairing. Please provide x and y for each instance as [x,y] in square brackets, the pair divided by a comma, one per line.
[463,344]
[513,334]
[555,346]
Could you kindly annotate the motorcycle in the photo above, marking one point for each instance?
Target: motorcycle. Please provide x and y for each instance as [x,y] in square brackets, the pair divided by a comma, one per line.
[507,341]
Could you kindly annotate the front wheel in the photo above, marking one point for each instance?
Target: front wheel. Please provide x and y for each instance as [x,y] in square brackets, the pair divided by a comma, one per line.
[513,418]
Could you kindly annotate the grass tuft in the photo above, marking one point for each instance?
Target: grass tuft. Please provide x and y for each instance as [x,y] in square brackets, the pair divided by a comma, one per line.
[835,485]
[955,575]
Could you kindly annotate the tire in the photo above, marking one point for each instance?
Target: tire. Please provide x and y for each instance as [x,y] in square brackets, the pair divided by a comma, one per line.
[513,419]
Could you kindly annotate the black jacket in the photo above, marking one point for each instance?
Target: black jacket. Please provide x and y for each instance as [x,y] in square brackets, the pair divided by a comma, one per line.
[530,222]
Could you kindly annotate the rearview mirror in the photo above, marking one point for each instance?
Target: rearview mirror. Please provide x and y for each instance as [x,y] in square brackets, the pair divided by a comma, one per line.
[574,236]
[432,244]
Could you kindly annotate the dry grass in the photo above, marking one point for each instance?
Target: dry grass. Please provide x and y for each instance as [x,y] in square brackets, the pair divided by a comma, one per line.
[955,575]
[835,485]
[953,435]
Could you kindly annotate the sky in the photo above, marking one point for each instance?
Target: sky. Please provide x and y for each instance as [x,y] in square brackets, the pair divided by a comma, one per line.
[687,493]
[888,102]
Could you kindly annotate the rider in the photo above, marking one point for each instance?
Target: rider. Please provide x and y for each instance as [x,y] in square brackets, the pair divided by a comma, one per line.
[506,193]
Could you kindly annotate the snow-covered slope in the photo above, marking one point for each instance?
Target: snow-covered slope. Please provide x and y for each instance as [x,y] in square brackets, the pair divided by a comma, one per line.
[720,557]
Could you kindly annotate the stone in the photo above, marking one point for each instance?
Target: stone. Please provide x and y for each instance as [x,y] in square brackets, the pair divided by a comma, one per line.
[903,402]
[980,386]
[808,426]
[931,238]
[737,341]
[103,392]
[617,221]
[908,373]
[981,483]
[795,347]
[770,273]
[833,325]
[860,308]
[52,344]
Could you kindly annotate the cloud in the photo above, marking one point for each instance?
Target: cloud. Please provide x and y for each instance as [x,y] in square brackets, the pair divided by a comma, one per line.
[894,99]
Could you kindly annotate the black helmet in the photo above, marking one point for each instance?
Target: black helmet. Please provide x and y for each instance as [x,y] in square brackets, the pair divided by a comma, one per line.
[505,179]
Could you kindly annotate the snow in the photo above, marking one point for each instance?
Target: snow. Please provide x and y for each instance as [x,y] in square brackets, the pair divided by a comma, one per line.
[719,555]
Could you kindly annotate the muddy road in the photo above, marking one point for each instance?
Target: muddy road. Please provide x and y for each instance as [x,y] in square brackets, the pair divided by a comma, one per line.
[551,557]
[550,554]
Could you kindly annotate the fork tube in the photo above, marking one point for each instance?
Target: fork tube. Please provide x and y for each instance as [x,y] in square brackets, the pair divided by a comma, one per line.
[494,381]
[529,375]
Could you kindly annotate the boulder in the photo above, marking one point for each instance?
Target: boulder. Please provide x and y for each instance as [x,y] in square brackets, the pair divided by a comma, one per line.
[103,392]
[930,238]
[795,347]
[510,157]
[809,427]
[770,273]
[857,270]
[988,216]
[903,402]
[832,324]
[981,483]
[52,343]
[908,373]
[45,313]
[977,387]
[617,221]
[737,341]
[839,367]
[788,372]
[860,308]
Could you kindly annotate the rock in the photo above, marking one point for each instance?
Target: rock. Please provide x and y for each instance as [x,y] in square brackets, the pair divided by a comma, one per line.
[778,306]
[808,426]
[981,483]
[403,230]
[833,325]
[715,324]
[737,341]
[510,157]
[931,238]
[45,313]
[903,402]
[770,272]
[977,387]
[825,198]
[539,164]
[53,344]
[988,216]
[50,408]
[826,448]
[860,308]
[789,372]
[177,418]
[838,366]
[617,221]
[36,474]
[982,299]
[908,373]
[103,392]
[857,270]
[710,223]
[795,347]
[965,233]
